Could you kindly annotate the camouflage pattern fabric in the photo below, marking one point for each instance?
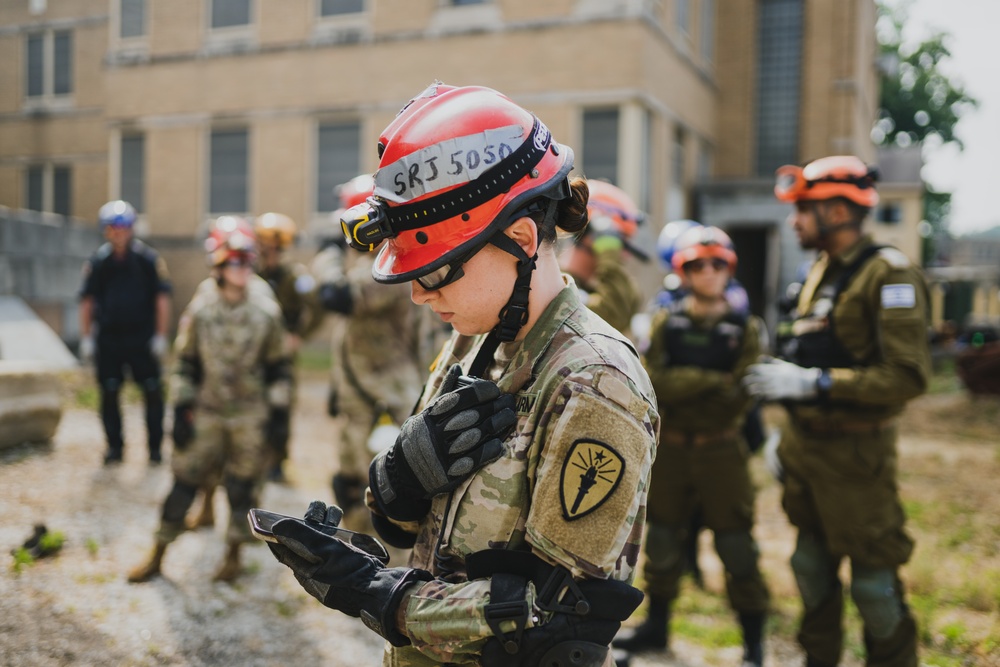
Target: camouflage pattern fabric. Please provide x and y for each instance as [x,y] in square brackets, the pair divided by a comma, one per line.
[378,361]
[295,290]
[613,294]
[232,344]
[571,485]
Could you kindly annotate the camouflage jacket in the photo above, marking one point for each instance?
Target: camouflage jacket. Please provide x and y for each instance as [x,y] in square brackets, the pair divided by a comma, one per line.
[227,354]
[613,293]
[571,486]
[295,289]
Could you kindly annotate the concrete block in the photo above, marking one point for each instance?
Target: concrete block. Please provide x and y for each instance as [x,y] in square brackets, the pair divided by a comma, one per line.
[30,402]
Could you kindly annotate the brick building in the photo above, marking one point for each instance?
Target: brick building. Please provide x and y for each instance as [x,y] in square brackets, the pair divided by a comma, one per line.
[194,108]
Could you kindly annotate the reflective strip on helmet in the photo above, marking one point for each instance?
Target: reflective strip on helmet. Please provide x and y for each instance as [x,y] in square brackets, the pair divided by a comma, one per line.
[446,164]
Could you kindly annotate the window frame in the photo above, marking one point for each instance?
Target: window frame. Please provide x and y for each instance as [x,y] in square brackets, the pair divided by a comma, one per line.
[48,97]
[586,164]
[210,175]
[46,172]
[318,182]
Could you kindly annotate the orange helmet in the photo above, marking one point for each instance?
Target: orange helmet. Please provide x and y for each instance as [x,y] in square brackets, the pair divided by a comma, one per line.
[231,238]
[355,191]
[275,229]
[707,242]
[458,164]
[609,204]
[835,176]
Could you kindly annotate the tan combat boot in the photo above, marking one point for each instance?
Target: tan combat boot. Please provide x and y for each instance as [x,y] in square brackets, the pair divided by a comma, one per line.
[151,568]
[206,517]
[230,568]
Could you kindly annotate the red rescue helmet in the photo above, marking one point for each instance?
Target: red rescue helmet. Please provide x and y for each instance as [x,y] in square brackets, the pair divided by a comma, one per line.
[835,176]
[355,191]
[231,238]
[458,165]
[703,242]
[609,204]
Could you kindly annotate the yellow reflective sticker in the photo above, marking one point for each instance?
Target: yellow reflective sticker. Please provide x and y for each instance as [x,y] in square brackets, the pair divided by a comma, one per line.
[590,474]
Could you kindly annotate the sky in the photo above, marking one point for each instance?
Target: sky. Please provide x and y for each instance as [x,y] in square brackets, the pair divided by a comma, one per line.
[972,175]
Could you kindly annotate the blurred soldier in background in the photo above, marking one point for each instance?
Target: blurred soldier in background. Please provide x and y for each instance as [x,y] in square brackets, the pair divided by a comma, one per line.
[295,289]
[858,351]
[126,293]
[700,347]
[231,376]
[595,259]
[376,359]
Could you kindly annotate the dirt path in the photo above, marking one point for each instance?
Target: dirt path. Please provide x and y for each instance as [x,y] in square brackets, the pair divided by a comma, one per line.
[77,609]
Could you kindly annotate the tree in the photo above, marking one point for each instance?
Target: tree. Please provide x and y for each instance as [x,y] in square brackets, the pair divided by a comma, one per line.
[918,103]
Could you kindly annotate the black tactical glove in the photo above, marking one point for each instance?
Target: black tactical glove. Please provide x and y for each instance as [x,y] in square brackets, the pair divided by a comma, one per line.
[276,430]
[439,448]
[343,577]
[183,432]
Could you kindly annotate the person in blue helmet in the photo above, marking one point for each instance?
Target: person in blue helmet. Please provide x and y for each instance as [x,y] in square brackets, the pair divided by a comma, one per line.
[124,313]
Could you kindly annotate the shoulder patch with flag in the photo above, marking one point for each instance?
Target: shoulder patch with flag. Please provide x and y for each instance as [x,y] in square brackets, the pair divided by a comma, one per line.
[590,474]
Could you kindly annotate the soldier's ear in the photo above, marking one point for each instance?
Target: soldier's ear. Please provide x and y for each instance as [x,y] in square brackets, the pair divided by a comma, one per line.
[524,232]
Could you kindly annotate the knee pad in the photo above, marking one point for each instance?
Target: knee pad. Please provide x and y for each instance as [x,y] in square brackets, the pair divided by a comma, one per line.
[348,491]
[664,546]
[111,386]
[815,570]
[178,502]
[738,552]
[877,596]
[152,388]
[240,493]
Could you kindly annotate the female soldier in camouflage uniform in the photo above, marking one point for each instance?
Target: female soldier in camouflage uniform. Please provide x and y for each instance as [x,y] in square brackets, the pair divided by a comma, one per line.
[231,373]
[521,492]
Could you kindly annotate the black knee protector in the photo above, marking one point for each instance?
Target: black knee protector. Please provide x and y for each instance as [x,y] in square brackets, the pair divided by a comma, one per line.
[738,552]
[240,493]
[178,502]
[152,390]
[348,491]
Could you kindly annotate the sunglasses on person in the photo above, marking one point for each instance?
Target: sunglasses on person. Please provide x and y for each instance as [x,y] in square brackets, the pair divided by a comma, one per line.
[699,265]
[239,261]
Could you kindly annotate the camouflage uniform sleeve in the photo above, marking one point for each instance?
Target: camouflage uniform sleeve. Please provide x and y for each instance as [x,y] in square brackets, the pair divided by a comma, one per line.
[184,378]
[602,431]
[898,299]
[615,297]
[310,309]
[675,383]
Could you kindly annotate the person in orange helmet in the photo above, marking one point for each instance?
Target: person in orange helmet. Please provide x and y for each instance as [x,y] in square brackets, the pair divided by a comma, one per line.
[857,352]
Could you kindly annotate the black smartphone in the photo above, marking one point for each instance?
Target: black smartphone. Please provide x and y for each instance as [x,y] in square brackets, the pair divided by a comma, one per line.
[261,522]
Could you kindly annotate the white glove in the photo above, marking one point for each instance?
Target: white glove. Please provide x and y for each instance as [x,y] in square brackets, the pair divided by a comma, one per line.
[775,380]
[158,346]
[87,349]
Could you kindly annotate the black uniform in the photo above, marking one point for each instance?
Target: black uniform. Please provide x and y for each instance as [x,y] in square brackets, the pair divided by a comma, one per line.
[124,293]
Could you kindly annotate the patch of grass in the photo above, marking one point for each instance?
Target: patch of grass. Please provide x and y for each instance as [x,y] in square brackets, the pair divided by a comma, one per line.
[709,634]
[22,559]
[92,546]
[313,358]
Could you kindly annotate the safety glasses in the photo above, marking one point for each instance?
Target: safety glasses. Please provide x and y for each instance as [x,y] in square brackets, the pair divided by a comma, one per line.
[699,265]
[446,274]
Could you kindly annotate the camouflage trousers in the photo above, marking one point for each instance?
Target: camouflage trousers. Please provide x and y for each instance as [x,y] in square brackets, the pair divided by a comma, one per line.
[224,448]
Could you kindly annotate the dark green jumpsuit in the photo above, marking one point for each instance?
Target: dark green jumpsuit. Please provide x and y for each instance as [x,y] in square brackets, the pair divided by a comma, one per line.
[839,453]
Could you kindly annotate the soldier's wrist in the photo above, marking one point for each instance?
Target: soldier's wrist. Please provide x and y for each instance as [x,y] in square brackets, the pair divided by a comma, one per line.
[824,383]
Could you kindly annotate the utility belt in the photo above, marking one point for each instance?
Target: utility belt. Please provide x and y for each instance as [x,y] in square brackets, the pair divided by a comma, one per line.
[691,440]
[586,614]
[830,427]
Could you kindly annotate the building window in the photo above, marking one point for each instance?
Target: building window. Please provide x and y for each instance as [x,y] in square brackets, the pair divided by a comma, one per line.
[682,15]
[706,159]
[677,157]
[230,13]
[779,48]
[132,179]
[600,144]
[228,171]
[49,188]
[890,213]
[707,17]
[457,3]
[337,161]
[49,64]
[337,7]
[133,18]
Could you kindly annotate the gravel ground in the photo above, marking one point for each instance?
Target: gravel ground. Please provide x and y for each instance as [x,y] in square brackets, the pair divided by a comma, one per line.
[77,609]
